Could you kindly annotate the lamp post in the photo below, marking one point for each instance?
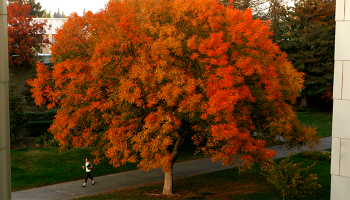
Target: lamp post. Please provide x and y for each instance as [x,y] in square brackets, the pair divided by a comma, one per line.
[5,159]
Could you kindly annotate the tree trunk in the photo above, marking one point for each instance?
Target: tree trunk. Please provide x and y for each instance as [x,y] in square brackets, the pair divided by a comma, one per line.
[168,182]
[303,103]
[168,177]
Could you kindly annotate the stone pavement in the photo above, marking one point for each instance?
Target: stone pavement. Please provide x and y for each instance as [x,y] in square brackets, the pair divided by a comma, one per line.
[135,178]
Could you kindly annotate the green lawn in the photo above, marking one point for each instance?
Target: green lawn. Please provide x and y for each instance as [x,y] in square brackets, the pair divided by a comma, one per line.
[35,167]
[225,184]
[45,166]
[323,122]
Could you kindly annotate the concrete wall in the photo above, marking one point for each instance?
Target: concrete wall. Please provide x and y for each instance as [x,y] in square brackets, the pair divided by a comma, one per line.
[340,165]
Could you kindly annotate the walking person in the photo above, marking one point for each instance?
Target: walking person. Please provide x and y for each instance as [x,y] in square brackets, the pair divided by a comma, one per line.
[88,167]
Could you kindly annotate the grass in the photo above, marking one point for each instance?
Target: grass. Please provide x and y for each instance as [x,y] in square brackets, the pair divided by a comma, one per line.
[225,184]
[36,167]
[46,166]
[315,155]
[323,122]
[187,151]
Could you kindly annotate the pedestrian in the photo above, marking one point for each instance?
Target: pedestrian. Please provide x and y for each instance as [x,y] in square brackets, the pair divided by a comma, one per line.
[88,167]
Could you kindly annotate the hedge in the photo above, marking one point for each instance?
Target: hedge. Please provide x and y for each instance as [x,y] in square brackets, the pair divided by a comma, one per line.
[40,116]
[37,128]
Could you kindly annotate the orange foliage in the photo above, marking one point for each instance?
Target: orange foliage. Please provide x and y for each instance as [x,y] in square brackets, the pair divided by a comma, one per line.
[140,75]
[23,34]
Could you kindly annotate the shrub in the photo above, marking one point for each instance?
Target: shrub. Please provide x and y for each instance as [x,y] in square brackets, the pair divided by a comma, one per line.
[17,117]
[38,122]
[41,116]
[46,140]
[291,179]
[26,93]
[315,155]
[37,128]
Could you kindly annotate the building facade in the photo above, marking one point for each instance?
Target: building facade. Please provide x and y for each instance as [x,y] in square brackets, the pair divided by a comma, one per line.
[340,165]
[52,25]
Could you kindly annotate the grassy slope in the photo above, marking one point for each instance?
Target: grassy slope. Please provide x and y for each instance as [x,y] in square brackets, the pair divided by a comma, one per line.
[225,184]
[323,122]
[37,167]
[45,166]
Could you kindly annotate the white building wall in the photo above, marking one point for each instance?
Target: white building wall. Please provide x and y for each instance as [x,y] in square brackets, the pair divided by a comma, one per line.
[340,165]
[52,25]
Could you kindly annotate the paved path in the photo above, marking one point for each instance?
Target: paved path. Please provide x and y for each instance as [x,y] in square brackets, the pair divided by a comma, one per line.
[135,178]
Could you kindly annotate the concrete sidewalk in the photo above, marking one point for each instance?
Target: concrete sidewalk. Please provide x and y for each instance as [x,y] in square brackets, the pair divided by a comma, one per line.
[136,178]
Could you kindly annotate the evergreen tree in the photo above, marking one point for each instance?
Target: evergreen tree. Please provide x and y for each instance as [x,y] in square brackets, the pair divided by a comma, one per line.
[58,14]
[308,39]
[276,13]
[257,6]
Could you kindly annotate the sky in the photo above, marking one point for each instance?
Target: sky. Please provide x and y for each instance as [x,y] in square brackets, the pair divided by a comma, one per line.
[69,6]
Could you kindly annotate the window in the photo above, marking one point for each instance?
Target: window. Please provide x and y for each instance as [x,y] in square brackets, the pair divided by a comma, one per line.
[40,38]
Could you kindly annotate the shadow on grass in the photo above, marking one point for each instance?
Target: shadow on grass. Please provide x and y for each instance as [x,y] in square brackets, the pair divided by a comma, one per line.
[225,184]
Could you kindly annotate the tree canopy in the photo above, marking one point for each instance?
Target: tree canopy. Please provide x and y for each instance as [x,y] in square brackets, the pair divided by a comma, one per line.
[137,78]
[35,8]
[258,7]
[24,34]
[308,39]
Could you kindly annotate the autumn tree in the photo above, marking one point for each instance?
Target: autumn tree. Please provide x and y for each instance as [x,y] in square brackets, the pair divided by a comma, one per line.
[137,78]
[23,34]
[35,7]
[308,39]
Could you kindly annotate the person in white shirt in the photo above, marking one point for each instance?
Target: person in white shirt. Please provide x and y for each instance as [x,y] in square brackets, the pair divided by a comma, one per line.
[88,167]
